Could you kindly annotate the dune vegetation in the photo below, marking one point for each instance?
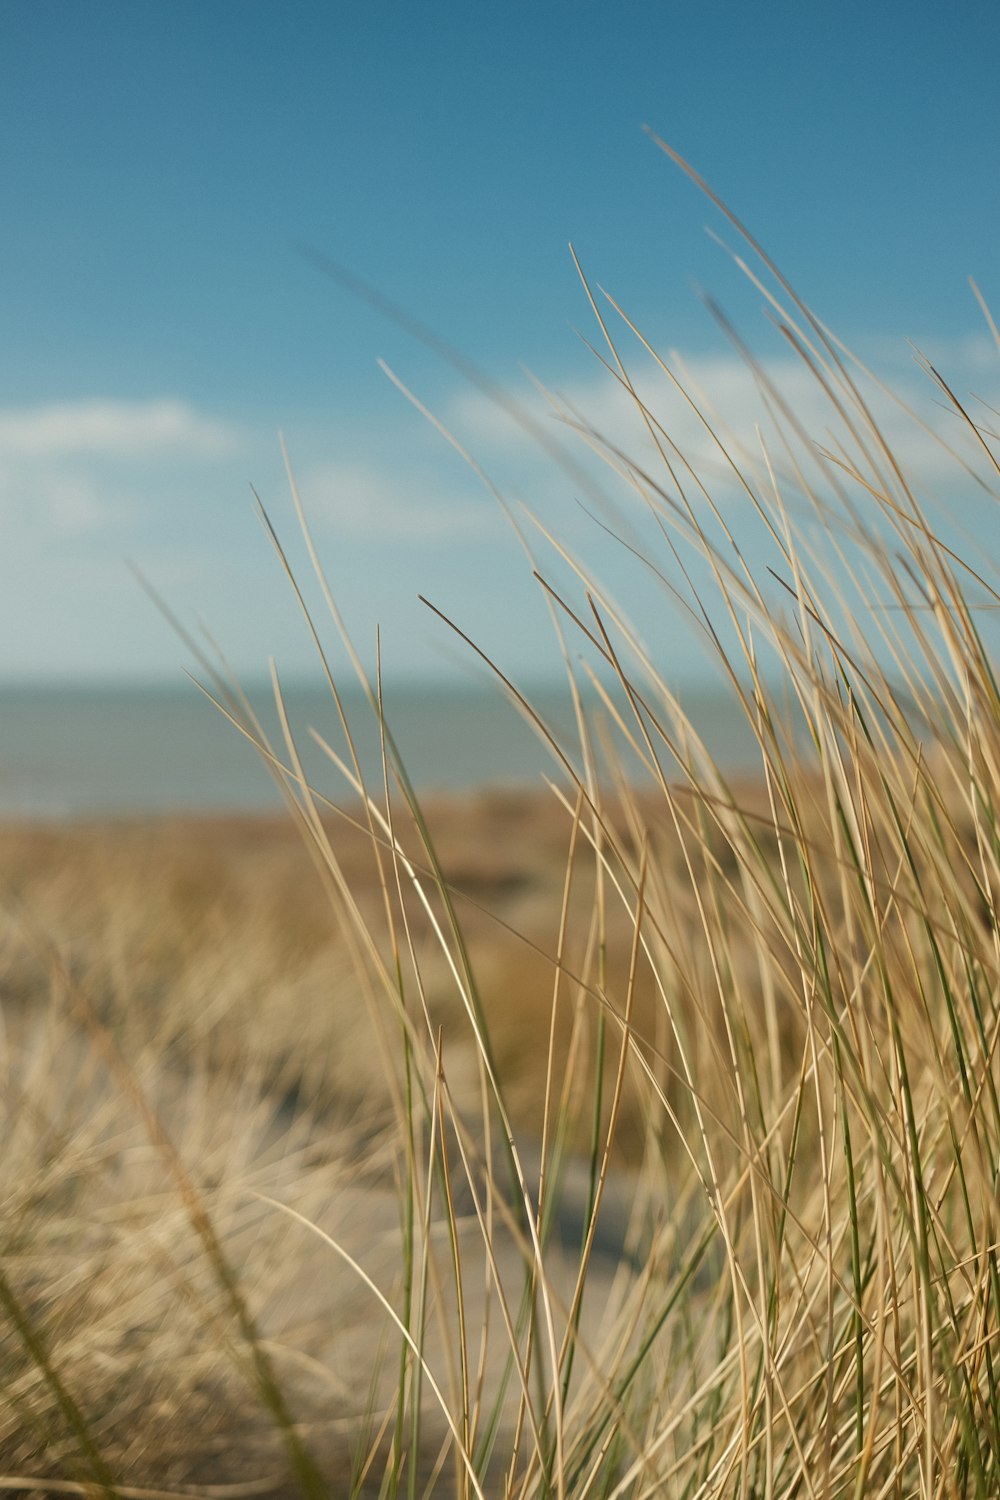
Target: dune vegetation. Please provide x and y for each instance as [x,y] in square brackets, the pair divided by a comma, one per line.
[636,1137]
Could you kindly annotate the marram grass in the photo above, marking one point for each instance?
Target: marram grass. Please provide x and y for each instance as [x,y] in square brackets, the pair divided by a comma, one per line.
[645,1143]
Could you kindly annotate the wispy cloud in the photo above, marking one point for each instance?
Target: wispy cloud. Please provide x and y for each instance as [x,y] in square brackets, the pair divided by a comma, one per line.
[77,467]
[362,501]
[83,484]
[728,408]
[111,428]
[69,504]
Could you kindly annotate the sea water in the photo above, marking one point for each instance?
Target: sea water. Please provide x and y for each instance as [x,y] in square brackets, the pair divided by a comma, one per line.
[76,751]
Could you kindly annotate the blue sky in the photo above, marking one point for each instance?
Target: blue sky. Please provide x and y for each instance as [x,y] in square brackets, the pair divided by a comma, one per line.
[162,162]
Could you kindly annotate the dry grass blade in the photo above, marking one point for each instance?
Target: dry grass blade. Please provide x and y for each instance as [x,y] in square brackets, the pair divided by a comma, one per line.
[643,1128]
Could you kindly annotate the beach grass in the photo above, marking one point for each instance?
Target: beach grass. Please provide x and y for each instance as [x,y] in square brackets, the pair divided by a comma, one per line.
[637,1137]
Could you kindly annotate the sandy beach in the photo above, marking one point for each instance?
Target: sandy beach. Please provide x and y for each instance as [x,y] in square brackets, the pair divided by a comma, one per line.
[197,974]
[347,1145]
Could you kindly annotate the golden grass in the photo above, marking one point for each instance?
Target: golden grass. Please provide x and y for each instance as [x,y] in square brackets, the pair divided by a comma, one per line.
[637,1139]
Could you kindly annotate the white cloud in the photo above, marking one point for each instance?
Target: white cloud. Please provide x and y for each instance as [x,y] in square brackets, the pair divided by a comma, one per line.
[111,429]
[72,468]
[361,501]
[967,356]
[72,504]
[726,393]
[44,501]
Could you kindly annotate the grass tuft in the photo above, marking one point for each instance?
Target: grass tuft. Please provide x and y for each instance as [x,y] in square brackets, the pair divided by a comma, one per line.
[638,1136]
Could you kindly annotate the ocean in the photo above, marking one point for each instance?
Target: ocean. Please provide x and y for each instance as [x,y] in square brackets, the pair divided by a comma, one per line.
[72,752]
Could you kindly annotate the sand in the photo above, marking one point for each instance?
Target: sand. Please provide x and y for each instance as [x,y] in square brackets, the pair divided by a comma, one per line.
[198,968]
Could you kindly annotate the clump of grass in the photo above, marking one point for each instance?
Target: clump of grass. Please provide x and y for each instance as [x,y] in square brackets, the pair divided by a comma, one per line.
[709,1208]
